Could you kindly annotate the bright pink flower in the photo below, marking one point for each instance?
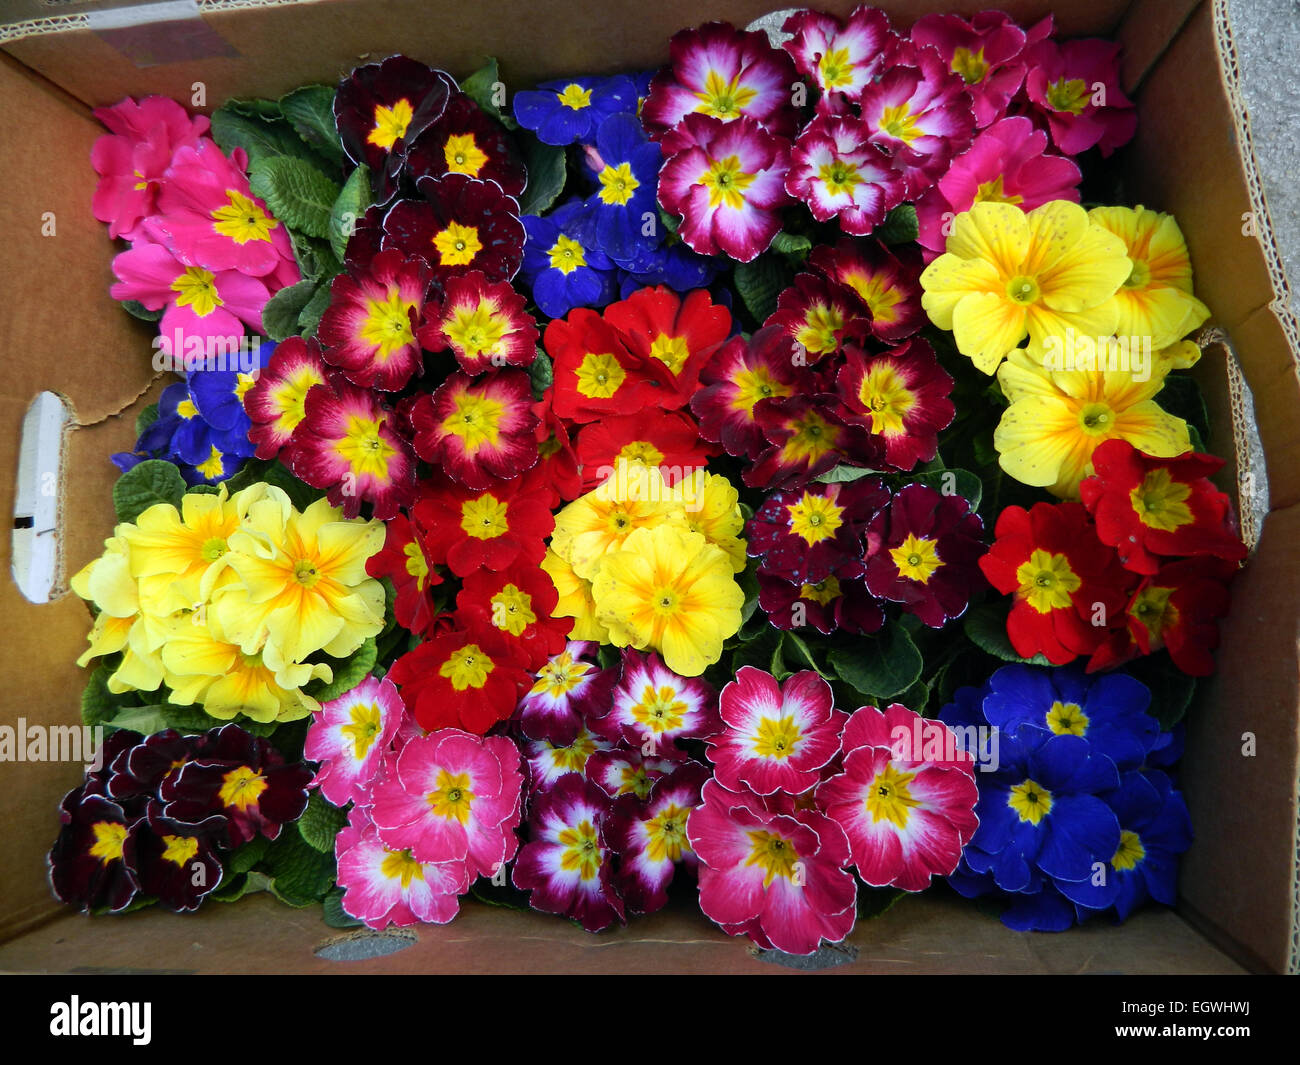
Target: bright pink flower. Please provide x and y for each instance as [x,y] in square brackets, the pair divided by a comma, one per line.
[1005,163]
[209,217]
[726,180]
[650,836]
[454,797]
[777,737]
[548,762]
[771,870]
[837,172]
[199,302]
[132,158]
[567,863]
[652,707]
[1074,87]
[887,281]
[905,798]
[725,73]
[383,886]
[349,736]
[346,442]
[277,402]
[567,689]
[483,323]
[368,330]
[841,59]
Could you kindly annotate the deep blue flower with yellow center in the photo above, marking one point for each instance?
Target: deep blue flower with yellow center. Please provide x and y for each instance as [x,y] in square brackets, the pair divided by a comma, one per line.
[671,263]
[181,434]
[561,112]
[621,216]
[561,271]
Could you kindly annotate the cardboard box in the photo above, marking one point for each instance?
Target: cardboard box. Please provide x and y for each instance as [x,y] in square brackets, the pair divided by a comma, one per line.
[60,331]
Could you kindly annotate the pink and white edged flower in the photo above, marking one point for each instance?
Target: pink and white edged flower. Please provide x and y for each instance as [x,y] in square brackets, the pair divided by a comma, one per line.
[566,690]
[772,871]
[726,180]
[840,58]
[650,837]
[349,737]
[623,771]
[347,442]
[905,798]
[382,885]
[725,73]
[453,797]
[1073,87]
[652,707]
[567,862]
[838,172]
[368,329]
[483,323]
[919,112]
[548,763]
[776,737]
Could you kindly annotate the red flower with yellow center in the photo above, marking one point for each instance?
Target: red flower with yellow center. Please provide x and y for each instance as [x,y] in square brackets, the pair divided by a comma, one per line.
[820,316]
[406,562]
[467,680]
[479,430]
[483,323]
[518,603]
[277,402]
[465,141]
[462,224]
[886,282]
[739,377]
[494,527]
[669,440]
[369,328]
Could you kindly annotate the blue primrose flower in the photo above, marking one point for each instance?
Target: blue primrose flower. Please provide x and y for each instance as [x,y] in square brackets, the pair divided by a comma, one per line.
[622,216]
[672,264]
[562,112]
[562,272]
[219,394]
[204,454]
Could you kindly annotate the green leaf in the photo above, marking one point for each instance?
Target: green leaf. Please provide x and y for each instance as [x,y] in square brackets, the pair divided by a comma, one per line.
[348,673]
[760,283]
[335,916]
[300,874]
[776,663]
[260,139]
[247,856]
[803,654]
[136,309]
[541,374]
[899,226]
[281,312]
[253,107]
[874,902]
[481,87]
[298,194]
[146,418]
[986,626]
[203,490]
[145,720]
[841,474]
[792,244]
[546,176]
[310,110]
[671,222]
[321,822]
[349,207]
[748,581]
[236,887]
[153,481]
[956,483]
[1181,397]
[99,705]
[882,666]
[1172,690]
[310,316]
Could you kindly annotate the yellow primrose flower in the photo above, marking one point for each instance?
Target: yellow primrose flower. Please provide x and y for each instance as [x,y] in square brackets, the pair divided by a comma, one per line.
[1007,275]
[575,600]
[1156,300]
[605,517]
[711,507]
[107,582]
[1057,418]
[671,590]
[1181,355]
[302,581]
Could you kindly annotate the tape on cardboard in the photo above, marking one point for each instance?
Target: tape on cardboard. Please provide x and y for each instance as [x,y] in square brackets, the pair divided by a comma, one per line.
[151,35]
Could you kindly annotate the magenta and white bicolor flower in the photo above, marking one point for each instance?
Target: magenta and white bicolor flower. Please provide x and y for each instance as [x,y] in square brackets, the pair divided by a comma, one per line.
[726,180]
[566,690]
[772,869]
[837,172]
[567,864]
[650,837]
[454,797]
[723,72]
[383,886]
[920,113]
[349,737]
[905,798]
[776,737]
[548,762]
[626,771]
[652,707]
[840,58]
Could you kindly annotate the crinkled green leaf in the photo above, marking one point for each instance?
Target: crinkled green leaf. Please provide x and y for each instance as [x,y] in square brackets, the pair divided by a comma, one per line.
[247,856]
[800,655]
[310,110]
[310,316]
[481,87]
[334,914]
[760,283]
[880,666]
[842,474]
[899,226]
[297,193]
[796,244]
[255,107]
[541,374]
[986,625]
[348,673]
[145,720]
[300,874]
[351,204]
[281,312]
[546,175]
[956,483]
[321,822]
[141,487]
[260,139]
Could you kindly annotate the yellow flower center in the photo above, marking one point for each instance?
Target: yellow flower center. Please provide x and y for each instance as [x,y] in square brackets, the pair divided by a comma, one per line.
[365,725]
[774,854]
[666,834]
[877,293]
[186,409]
[364,449]
[916,558]
[1155,612]
[390,124]
[840,177]
[213,548]
[290,398]
[640,452]
[566,255]
[994,192]
[1139,276]
[1047,581]
[817,332]
[812,437]
[822,592]
[305,572]
[724,99]
[1069,96]
[512,610]
[753,385]
[726,182]
[241,787]
[179,850]
[1023,289]
[666,601]
[574,97]
[559,676]
[484,518]
[476,420]
[243,382]
[777,737]
[463,155]
[197,288]
[387,324]
[835,68]
[671,351]
[600,376]
[478,331]
[815,518]
[457,244]
[887,399]
[970,65]
[401,865]
[573,758]
[1129,853]
[110,838]
[1096,419]
[242,219]
[416,564]
[899,122]
[1160,502]
[889,798]
[467,667]
[1067,719]
[582,850]
[452,798]
[660,709]
[617,184]
[1031,801]
[213,466]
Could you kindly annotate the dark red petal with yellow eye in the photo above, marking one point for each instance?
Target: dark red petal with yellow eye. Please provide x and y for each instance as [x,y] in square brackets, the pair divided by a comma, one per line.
[178,862]
[92,862]
[887,282]
[483,323]
[739,376]
[819,315]
[808,435]
[461,225]
[466,141]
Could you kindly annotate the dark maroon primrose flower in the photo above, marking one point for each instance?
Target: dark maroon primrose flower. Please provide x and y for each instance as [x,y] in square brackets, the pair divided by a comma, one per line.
[92,863]
[826,605]
[177,862]
[466,141]
[138,772]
